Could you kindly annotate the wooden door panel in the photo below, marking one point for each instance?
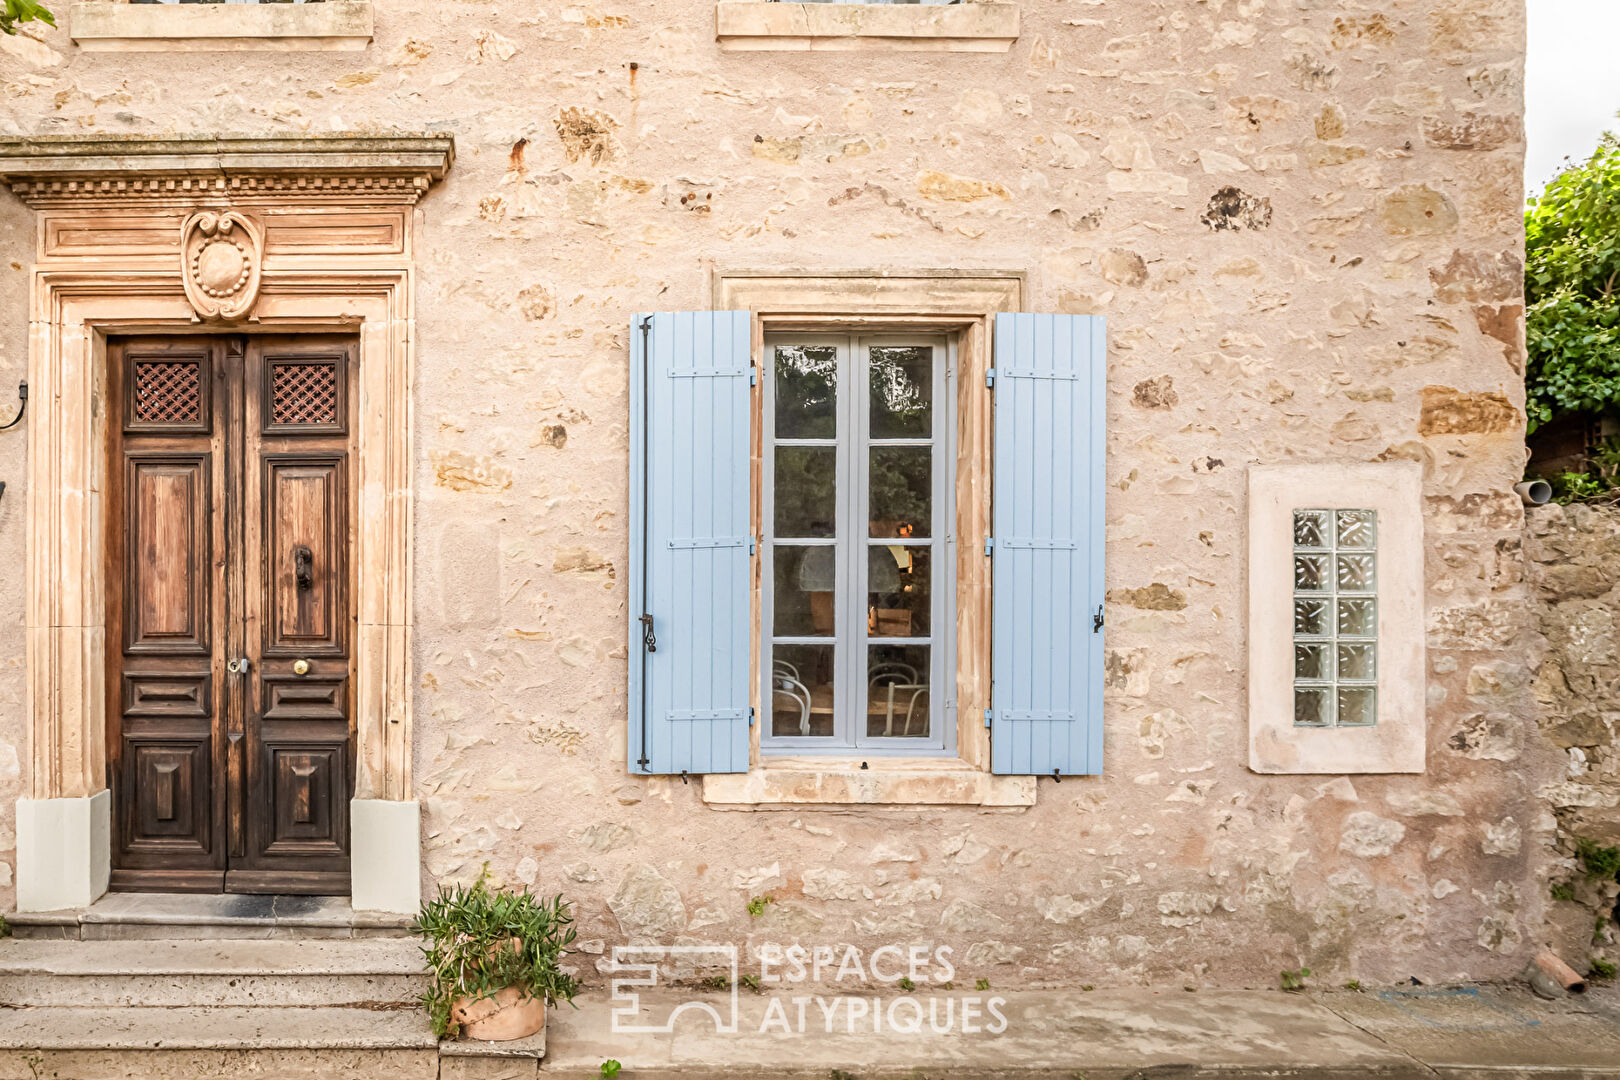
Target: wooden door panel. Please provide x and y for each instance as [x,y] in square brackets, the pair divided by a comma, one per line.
[168,499]
[308,800]
[160,694]
[304,698]
[305,532]
[173,775]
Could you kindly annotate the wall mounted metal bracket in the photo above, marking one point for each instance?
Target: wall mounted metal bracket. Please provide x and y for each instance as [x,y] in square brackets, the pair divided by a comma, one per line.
[22,396]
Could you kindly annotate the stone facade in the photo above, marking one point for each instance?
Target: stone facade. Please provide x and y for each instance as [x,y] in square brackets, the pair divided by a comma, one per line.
[1302,223]
[1572,561]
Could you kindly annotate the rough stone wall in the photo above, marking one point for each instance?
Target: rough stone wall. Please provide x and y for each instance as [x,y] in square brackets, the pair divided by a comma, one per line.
[1302,221]
[1572,561]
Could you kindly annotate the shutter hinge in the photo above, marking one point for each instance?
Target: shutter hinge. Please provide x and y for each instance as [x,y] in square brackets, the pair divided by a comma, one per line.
[1097,620]
[751,546]
[989,544]
[750,716]
[987,715]
[753,376]
[990,377]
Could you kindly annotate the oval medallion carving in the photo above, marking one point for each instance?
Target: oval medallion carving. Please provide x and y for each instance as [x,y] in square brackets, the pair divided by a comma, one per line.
[221,252]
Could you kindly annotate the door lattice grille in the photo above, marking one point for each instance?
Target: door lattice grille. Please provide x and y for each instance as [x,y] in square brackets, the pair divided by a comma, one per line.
[168,391]
[303,393]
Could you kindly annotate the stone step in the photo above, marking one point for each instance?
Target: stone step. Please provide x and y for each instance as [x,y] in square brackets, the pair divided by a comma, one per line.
[375,973]
[156,916]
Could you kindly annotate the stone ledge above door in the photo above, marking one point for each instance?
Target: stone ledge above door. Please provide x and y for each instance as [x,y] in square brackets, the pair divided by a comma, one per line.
[757,26]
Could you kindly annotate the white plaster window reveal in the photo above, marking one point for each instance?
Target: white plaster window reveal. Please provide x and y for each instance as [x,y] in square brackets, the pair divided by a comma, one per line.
[1335,618]
[1337,679]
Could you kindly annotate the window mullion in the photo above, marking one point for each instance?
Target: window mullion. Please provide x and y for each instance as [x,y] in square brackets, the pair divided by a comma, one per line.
[860,497]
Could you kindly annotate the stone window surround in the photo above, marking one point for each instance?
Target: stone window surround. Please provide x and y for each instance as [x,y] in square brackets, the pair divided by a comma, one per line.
[962,303]
[757,26]
[108,261]
[114,26]
[1398,742]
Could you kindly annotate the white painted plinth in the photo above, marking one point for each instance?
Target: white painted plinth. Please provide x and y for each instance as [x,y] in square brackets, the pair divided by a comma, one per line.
[385,861]
[64,851]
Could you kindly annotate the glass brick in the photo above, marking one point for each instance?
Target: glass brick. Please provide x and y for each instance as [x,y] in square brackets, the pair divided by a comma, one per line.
[1311,618]
[1358,617]
[1356,661]
[1312,663]
[1311,573]
[1310,707]
[1357,707]
[1310,528]
[1356,529]
[1355,572]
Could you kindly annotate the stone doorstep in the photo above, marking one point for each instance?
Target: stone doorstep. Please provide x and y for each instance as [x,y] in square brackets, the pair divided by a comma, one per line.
[215,1028]
[146,916]
[368,956]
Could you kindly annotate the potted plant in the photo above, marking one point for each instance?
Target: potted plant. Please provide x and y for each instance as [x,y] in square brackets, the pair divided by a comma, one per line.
[493,956]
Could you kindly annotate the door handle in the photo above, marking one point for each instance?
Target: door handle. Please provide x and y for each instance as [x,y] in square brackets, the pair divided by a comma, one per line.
[237,667]
[304,567]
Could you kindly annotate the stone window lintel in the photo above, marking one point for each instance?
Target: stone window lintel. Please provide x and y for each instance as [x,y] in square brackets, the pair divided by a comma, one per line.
[99,26]
[751,25]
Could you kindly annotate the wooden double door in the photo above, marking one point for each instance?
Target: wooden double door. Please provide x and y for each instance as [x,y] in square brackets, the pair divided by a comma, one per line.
[230,615]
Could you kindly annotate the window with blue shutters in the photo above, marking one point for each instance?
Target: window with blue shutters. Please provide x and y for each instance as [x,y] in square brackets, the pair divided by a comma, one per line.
[854,649]
[1047,545]
[690,544]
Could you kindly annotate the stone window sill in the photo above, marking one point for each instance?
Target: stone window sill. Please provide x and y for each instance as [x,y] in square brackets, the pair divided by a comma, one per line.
[100,26]
[799,781]
[753,25]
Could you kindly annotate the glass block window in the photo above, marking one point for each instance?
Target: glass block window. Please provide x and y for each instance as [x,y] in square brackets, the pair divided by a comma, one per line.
[1335,618]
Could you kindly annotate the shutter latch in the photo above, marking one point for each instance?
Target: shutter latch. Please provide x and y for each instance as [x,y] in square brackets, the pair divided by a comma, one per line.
[990,377]
[987,715]
[648,639]
[989,544]
[1097,620]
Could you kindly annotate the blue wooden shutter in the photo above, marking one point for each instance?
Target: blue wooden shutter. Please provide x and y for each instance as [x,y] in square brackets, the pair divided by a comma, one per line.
[1047,574]
[689,542]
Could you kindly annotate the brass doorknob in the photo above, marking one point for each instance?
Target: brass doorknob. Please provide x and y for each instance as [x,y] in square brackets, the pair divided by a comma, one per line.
[300,667]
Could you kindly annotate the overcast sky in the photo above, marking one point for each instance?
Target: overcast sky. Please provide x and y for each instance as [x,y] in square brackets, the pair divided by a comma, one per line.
[1572,81]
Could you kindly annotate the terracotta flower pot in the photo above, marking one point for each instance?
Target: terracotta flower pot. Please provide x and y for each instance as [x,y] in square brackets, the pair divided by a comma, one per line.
[510,1014]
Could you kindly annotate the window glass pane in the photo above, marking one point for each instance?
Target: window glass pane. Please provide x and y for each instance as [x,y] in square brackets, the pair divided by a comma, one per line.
[902,494]
[1358,617]
[1355,528]
[1311,662]
[1311,617]
[806,489]
[802,690]
[1356,707]
[1311,573]
[1356,661]
[902,385]
[805,583]
[898,593]
[1355,573]
[897,691]
[1310,707]
[1310,528]
[806,391]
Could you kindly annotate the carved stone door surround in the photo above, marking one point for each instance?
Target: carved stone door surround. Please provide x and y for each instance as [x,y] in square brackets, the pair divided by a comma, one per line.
[192,233]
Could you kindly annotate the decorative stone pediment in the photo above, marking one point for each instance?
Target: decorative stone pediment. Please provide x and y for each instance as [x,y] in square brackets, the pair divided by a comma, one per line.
[57,171]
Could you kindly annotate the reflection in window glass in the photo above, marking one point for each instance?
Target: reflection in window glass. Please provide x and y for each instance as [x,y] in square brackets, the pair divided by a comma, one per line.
[1335,618]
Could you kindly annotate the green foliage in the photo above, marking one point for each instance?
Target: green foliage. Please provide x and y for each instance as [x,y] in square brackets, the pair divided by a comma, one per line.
[1572,290]
[610,1068]
[1563,891]
[482,940]
[715,982]
[13,12]
[1602,969]
[1295,980]
[1353,984]
[756,906]
[5,927]
[906,984]
[751,981]
[1600,863]
[982,985]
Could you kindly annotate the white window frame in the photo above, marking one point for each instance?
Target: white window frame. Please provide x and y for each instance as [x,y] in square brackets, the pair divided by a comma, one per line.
[853,441]
[1397,743]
